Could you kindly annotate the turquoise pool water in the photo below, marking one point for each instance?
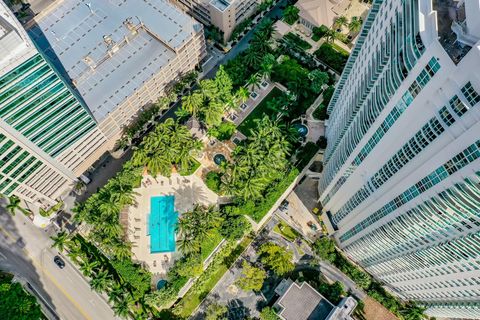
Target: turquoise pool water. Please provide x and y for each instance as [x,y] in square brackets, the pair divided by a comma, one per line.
[161,224]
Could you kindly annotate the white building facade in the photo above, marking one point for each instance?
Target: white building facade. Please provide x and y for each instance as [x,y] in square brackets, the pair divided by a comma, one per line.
[401,183]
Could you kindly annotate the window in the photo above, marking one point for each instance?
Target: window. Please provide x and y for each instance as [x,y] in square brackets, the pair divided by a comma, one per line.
[446,116]
[414,89]
[458,106]
[469,92]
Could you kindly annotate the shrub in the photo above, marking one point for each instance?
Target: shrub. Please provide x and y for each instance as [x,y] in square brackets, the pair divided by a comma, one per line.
[297,41]
[327,95]
[319,32]
[322,142]
[305,154]
[213,181]
[334,56]
[320,113]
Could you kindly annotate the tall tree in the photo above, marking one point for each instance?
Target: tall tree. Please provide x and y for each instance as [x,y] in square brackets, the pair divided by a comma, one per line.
[216,311]
[318,79]
[355,25]
[193,103]
[242,94]
[291,14]
[340,22]
[276,258]
[254,82]
[60,240]
[14,205]
[252,278]
[100,281]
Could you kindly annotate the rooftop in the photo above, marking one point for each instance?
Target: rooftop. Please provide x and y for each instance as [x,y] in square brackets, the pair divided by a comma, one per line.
[302,302]
[318,12]
[220,4]
[450,13]
[15,46]
[96,41]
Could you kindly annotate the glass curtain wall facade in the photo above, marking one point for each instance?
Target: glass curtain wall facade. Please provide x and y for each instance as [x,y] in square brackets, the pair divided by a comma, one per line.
[401,184]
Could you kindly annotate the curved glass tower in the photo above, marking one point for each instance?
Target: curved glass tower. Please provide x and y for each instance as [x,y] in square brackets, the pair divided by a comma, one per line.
[401,185]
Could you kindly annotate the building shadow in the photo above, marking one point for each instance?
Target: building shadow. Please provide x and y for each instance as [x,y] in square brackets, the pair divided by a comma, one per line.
[14,260]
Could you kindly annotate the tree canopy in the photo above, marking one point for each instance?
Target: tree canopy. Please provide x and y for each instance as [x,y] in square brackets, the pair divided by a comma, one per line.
[276,258]
[252,278]
[15,302]
[169,144]
[259,162]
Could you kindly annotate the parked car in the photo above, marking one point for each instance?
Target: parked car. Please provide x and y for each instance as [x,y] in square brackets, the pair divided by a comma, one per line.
[283,206]
[59,262]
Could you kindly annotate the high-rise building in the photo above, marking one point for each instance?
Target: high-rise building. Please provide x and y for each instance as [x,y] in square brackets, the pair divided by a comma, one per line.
[41,121]
[401,180]
[66,97]
[223,14]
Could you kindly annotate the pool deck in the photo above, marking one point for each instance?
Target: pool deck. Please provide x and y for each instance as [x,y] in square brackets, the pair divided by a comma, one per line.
[188,191]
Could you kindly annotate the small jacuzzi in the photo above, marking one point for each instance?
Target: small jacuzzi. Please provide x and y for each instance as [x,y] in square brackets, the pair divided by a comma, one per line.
[219,158]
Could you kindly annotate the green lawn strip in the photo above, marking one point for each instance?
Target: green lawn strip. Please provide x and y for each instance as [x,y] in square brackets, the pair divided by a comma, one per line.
[286,231]
[195,295]
[210,244]
[259,112]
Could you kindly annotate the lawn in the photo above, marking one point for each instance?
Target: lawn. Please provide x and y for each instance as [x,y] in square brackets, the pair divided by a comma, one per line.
[259,112]
[210,244]
[333,55]
[286,231]
[194,296]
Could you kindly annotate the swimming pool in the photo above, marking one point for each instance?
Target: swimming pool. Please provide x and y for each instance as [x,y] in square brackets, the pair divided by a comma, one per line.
[161,224]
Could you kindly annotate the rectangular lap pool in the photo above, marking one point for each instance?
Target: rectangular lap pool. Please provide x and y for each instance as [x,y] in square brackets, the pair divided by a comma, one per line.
[161,224]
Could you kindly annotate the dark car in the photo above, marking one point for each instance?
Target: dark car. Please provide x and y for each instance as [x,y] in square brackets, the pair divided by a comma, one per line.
[59,262]
[284,206]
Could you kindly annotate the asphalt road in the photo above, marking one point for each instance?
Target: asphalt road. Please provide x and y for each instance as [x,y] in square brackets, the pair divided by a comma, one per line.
[25,251]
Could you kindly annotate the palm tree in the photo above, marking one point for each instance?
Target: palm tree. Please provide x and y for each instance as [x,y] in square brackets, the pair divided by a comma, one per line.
[123,250]
[254,81]
[266,27]
[355,25]
[242,94]
[192,103]
[253,58]
[60,240]
[412,312]
[87,267]
[208,88]
[290,14]
[76,252]
[116,293]
[121,308]
[213,114]
[14,205]
[188,245]
[331,35]
[100,281]
[340,22]
[80,186]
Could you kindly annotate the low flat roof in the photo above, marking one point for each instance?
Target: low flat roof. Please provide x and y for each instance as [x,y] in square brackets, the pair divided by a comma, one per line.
[304,303]
[109,48]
